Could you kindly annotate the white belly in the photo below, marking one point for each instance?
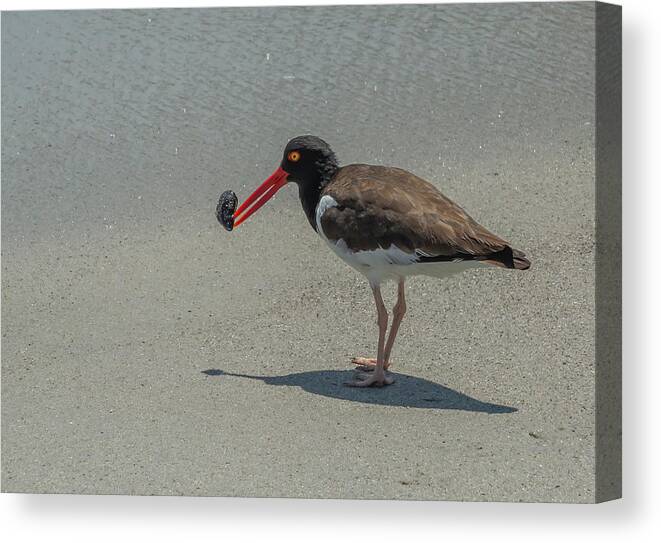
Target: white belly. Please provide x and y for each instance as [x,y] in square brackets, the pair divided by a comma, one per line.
[383,264]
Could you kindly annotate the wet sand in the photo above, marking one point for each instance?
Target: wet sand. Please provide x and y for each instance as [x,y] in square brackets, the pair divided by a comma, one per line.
[145,350]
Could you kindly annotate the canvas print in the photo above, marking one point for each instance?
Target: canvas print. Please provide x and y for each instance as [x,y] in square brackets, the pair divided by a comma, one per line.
[315,252]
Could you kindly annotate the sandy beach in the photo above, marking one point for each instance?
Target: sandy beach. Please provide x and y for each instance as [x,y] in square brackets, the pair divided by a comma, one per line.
[147,351]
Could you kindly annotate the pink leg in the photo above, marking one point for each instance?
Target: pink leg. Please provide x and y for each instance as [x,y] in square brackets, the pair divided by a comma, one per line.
[398,314]
[368,364]
[378,378]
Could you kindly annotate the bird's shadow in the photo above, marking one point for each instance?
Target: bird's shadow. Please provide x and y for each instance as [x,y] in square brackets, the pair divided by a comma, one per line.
[407,391]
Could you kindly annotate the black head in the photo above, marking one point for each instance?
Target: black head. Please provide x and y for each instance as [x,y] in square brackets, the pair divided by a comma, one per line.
[309,160]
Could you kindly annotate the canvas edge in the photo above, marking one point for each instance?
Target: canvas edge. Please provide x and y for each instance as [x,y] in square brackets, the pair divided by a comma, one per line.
[608,257]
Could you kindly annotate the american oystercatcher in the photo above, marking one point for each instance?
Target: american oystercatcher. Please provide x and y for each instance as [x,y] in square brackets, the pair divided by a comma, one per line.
[386,223]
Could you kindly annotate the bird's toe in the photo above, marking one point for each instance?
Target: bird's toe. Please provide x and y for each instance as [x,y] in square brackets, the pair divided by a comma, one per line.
[364,380]
[366,364]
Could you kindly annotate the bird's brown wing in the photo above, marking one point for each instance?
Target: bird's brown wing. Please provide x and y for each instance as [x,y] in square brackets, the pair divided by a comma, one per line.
[379,206]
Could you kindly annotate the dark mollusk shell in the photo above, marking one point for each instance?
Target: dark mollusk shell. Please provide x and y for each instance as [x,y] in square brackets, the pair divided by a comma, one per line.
[225,209]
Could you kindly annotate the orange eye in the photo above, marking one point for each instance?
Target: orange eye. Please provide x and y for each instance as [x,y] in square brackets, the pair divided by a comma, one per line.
[294,156]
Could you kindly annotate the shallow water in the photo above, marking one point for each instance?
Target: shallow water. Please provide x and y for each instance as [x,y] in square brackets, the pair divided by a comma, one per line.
[117,117]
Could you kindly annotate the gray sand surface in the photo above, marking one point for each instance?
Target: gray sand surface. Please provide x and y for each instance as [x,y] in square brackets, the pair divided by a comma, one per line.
[146,350]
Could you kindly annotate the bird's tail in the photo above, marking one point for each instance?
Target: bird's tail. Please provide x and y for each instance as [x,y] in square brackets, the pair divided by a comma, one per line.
[519,260]
[509,258]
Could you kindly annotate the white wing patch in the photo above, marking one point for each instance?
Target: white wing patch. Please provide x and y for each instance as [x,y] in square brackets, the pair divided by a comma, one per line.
[420,253]
[393,255]
[324,203]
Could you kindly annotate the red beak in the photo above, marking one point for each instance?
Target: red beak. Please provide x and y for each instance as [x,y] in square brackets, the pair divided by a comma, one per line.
[262,194]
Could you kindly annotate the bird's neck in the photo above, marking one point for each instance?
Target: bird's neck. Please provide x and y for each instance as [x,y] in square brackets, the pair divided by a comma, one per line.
[310,191]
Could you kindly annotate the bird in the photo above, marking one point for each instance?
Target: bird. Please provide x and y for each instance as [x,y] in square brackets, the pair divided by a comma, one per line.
[387,224]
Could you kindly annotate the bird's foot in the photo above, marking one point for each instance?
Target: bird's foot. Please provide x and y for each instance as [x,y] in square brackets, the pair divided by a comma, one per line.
[376,378]
[366,364]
